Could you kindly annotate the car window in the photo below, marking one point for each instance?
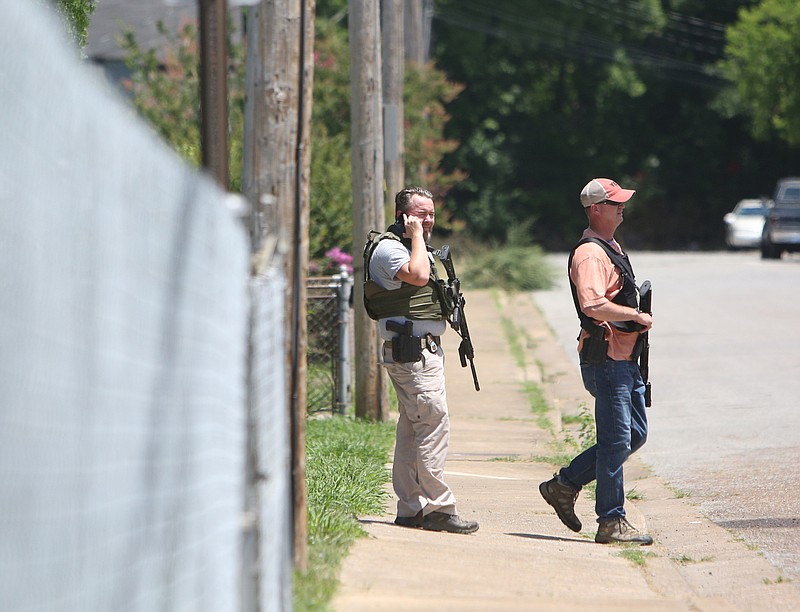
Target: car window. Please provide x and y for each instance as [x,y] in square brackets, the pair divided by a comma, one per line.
[754,212]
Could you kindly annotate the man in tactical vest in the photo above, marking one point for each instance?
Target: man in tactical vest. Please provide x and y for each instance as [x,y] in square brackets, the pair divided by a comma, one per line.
[402,293]
[606,299]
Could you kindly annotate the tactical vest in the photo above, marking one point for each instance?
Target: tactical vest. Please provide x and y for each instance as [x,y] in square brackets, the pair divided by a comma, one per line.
[628,295]
[426,303]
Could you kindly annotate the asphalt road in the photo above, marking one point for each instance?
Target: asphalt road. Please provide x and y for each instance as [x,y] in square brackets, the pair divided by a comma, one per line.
[725,369]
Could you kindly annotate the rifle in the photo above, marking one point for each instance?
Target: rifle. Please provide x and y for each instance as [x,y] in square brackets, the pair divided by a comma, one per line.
[646,305]
[458,321]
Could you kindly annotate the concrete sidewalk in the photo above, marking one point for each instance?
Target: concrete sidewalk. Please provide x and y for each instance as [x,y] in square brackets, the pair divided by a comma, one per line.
[523,558]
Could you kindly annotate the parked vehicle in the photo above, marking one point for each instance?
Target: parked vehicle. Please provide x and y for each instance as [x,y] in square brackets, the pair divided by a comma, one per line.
[782,226]
[745,223]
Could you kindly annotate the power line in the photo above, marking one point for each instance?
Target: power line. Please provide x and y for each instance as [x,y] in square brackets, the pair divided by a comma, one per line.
[501,22]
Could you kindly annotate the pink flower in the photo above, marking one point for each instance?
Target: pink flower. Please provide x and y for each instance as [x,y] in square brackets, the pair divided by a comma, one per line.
[340,258]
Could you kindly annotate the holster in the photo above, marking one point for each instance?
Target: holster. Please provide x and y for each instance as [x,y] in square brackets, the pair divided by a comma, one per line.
[406,348]
[595,347]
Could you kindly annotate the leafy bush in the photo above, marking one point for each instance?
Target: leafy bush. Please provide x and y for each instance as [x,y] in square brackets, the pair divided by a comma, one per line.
[77,14]
[166,92]
[512,268]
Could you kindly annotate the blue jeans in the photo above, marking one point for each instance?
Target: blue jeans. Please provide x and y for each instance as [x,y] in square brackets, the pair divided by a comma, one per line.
[621,420]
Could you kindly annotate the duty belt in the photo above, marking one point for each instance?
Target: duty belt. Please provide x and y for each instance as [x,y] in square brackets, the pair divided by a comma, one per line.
[432,342]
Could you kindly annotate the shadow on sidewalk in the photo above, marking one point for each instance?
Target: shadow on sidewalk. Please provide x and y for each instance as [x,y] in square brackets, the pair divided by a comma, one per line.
[536,536]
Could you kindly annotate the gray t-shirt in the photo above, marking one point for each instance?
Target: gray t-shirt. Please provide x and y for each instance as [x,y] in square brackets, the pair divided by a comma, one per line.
[387,259]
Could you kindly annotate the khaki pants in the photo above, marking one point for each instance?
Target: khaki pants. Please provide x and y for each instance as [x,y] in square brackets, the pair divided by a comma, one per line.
[423,435]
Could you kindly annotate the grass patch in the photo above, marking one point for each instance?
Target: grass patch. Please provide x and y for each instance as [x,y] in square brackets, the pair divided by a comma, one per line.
[687,560]
[345,473]
[507,459]
[580,435]
[636,555]
[536,396]
[539,405]
[679,494]
[583,432]
[633,495]
[510,267]
[512,337]
[778,580]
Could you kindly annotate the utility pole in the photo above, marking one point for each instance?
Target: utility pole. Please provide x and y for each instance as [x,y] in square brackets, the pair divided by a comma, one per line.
[393,74]
[278,117]
[413,32]
[419,14]
[214,88]
[368,199]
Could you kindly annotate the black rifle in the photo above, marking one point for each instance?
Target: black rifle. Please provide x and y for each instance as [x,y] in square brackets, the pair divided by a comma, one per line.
[458,321]
[646,305]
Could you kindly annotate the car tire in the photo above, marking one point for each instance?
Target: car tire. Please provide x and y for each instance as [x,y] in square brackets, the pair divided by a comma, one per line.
[769,250]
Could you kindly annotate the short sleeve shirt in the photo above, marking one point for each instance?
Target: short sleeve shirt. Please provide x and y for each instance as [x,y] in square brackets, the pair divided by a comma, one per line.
[597,281]
[387,259]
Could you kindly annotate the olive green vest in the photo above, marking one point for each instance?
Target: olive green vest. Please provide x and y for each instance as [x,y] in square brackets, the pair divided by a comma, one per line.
[426,303]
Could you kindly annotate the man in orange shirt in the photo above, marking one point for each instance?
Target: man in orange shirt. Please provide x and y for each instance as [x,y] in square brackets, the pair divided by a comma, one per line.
[606,299]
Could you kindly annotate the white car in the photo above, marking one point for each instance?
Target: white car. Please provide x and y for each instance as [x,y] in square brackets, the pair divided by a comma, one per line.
[743,225]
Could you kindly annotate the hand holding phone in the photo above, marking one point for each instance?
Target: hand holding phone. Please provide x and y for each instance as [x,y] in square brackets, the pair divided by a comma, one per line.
[411,224]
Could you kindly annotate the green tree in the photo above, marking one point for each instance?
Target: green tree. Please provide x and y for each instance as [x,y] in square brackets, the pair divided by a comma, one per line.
[165,88]
[763,64]
[559,91]
[165,84]
[331,188]
[77,14]
[426,91]
[540,80]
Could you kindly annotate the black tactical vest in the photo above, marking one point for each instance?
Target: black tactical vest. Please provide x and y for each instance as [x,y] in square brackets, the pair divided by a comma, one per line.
[628,295]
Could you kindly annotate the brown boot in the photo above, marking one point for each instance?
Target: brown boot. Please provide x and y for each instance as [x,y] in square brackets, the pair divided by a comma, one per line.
[562,497]
[619,530]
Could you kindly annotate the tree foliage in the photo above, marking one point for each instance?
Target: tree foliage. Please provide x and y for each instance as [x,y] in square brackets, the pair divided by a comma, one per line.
[165,87]
[426,91]
[331,188]
[559,91]
[76,15]
[165,84]
[763,63]
[525,102]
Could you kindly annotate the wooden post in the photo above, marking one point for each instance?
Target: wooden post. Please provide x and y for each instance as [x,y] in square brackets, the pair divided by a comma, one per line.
[413,31]
[393,113]
[368,199]
[214,88]
[417,33]
[276,182]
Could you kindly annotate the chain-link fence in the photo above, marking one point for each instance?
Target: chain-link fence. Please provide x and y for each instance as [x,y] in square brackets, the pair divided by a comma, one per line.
[144,451]
[330,338]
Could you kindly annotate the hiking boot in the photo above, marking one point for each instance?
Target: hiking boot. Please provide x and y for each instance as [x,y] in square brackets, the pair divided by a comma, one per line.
[439,521]
[619,530]
[562,497]
[409,521]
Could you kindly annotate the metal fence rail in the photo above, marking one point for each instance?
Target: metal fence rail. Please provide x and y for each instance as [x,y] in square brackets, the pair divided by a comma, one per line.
[330,330]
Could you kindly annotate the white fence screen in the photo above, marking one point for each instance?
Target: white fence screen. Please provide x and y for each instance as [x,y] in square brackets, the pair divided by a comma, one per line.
[124,309]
